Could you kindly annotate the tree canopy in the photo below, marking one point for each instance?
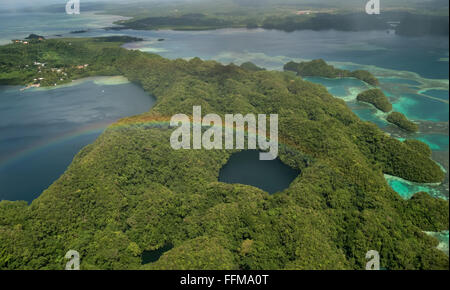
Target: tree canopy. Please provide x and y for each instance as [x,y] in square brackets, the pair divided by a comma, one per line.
[130,192]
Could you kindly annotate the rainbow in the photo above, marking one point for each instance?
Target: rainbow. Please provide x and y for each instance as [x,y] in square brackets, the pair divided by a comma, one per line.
[97,128]
[154,121]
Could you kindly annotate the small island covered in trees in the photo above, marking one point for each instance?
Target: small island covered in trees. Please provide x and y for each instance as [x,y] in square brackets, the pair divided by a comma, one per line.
[401,121]
[377,98]
[129,193]
[319,68]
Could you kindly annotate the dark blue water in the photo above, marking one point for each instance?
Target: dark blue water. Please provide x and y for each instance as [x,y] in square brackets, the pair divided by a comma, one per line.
[26,178]
[18,25]
[270,48]
[246,168]
[41,130]
[153,256]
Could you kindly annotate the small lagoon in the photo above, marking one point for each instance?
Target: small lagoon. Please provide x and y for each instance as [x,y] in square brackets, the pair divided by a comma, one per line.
[246,168]
[154,255]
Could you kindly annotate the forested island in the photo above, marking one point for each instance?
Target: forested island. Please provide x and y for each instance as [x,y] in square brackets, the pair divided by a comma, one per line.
[319,68]
[401,121]
[419,146]
[377,98]
[409,24]
[35,63]
[251,66]
[129,192]
[289,16]
[421,18]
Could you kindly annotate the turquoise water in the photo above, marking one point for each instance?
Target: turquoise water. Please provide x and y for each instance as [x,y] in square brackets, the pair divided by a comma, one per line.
[437,142]
[345,88]
[443,238]
[440,94]
[416,107]
[398,81]
[407,189]
[348,89]
[42,129]
[246,168]
[368,113]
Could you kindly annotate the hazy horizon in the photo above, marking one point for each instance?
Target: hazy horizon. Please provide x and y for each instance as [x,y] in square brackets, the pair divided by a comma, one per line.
[20,4]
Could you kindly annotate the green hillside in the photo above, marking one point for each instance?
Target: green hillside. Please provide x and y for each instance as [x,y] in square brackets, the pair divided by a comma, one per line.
[130,192]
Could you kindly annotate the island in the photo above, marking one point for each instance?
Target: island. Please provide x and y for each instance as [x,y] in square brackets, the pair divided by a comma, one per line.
[78,31]
[34,37]
[289,16]
[251,66]
[401,121]
[377,98]
[129,193]
[419,146]
[319,68]
[189,21]
[22,64]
